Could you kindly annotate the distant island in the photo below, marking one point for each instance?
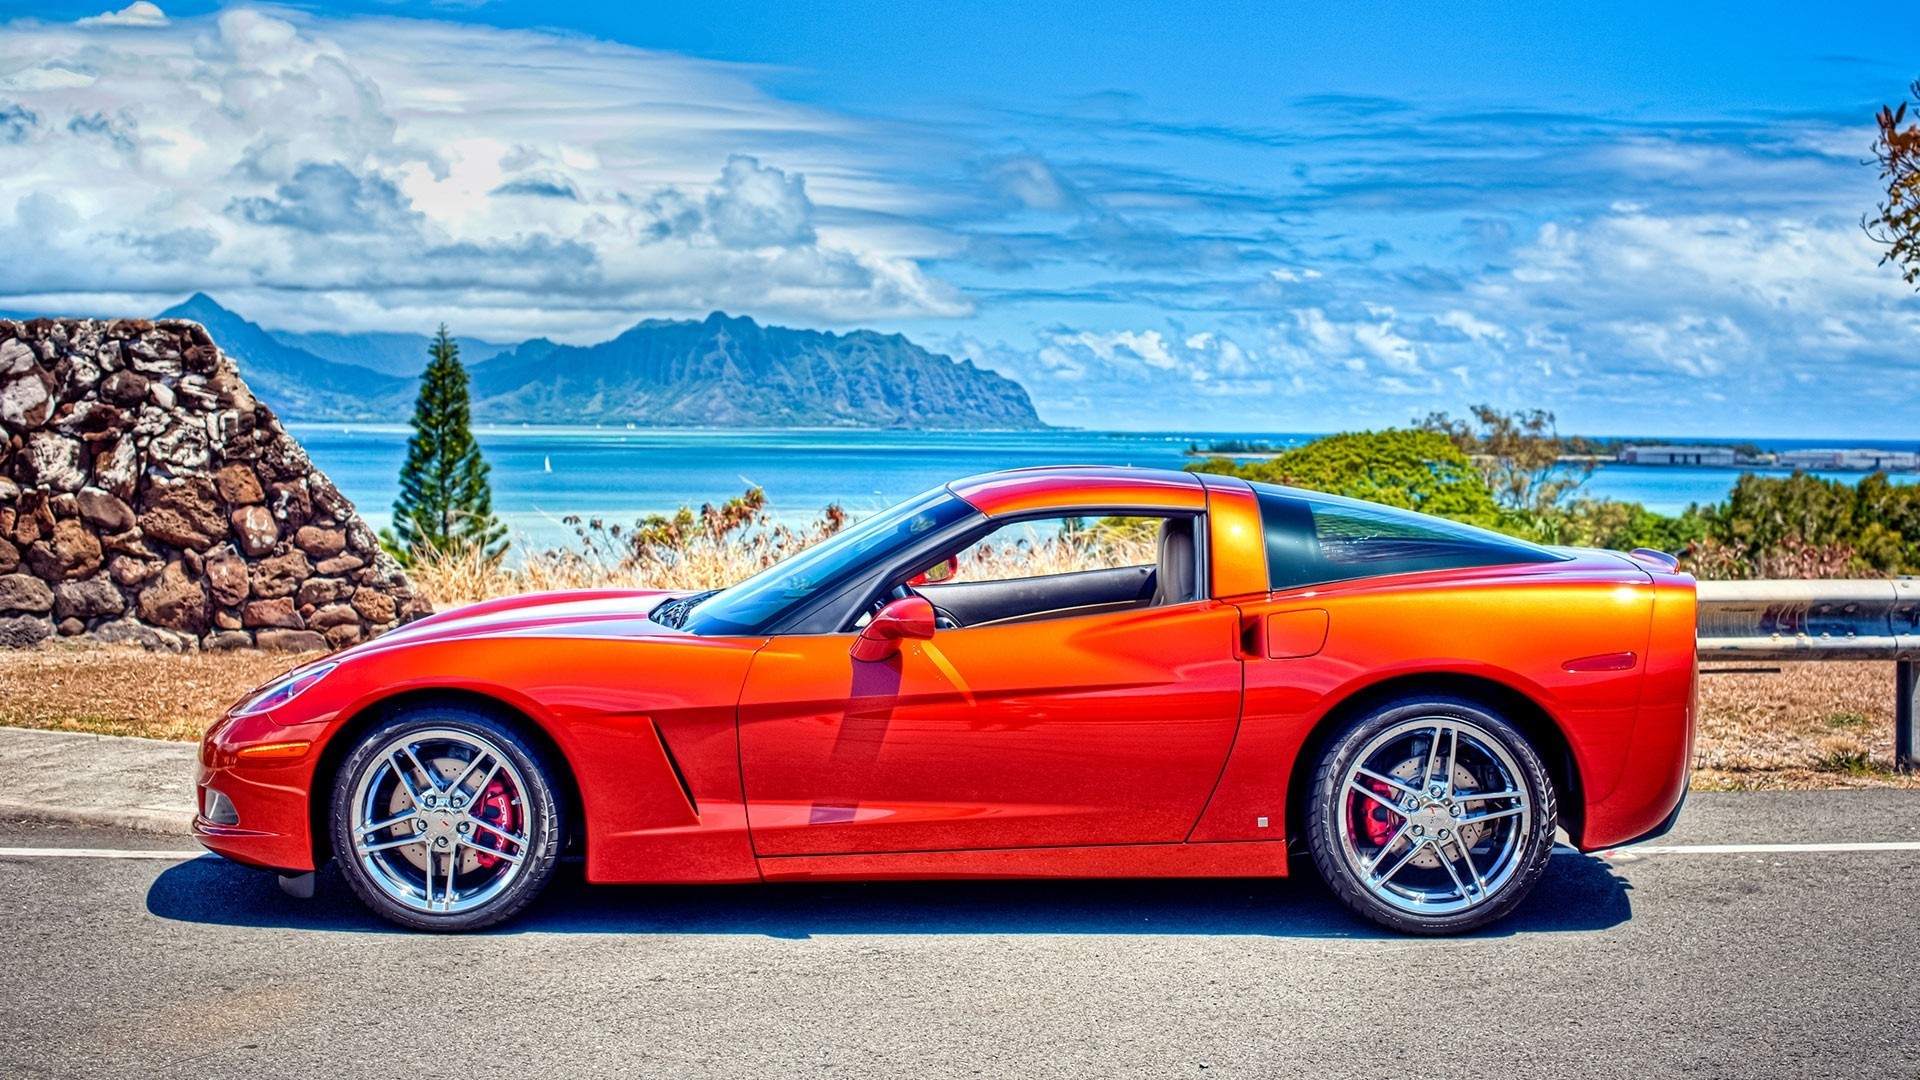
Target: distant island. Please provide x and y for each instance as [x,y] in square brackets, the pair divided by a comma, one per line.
[721,371]
[1587,452]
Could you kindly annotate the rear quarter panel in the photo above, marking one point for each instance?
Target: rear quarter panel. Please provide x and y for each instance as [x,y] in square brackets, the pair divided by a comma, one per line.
[1513,626]
[1660,756]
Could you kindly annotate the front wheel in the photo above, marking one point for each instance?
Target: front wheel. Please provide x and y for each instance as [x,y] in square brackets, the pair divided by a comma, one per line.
[1431,816]
[444,818]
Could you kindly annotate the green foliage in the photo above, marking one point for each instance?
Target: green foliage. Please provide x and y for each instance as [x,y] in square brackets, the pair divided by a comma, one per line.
[1415,470]
[1519,454]
[1623,526]
[1805,526]
[1895,224]
[1503,473]
[445,504]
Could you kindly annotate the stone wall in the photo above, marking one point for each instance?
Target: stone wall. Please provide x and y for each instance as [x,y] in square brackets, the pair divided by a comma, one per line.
[146,496]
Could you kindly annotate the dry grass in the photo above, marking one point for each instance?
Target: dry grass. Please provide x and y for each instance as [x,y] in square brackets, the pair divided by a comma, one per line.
[126,690]
[711,548]
[1819,725]
[1022,550]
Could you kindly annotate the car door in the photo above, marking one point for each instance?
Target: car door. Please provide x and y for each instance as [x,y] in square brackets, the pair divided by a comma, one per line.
[1106,728]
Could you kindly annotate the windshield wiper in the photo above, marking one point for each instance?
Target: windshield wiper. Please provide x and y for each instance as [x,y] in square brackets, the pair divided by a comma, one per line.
[674,613]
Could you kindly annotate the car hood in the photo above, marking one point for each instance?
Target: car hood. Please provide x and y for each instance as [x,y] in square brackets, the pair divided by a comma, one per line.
[581,613]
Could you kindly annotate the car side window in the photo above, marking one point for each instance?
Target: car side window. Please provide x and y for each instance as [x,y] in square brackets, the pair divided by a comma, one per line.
[1058,567]
[1316,539]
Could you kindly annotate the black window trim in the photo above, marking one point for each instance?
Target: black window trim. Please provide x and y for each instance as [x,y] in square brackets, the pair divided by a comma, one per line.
[814,620]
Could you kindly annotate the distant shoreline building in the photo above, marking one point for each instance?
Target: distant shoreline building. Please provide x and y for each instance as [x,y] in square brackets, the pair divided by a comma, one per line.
[1726,457]
[1850,460]
[1722,456]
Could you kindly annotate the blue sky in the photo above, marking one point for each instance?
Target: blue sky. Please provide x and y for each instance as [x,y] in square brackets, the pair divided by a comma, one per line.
[1252,217]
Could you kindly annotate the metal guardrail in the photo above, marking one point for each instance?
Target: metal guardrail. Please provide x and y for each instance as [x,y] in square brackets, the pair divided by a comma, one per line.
[1822,620]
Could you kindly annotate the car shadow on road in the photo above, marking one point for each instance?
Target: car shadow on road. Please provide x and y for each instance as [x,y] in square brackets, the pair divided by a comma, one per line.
[1579,892]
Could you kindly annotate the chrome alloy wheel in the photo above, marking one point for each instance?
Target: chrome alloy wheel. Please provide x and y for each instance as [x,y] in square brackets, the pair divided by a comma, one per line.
[439,820]
[1433,816]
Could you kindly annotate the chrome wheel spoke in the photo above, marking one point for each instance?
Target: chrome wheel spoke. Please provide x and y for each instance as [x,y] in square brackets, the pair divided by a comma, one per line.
[1453,757]
[405,775]
[1357,786]
[389,845]
[1379,884]
[495,852]
[1440,851]
[496,830]
[1481,796]
[1380,856]
[471,766]
[1397,785]
[1493,815]
[1466,856]
[382,826]
[433,779]
[1433,756]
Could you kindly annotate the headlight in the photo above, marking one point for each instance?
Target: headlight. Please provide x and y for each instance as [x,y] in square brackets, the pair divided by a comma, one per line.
[282,690]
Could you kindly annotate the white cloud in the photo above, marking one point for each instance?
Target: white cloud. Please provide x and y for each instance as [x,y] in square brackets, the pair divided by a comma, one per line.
[390,173]
[755,207]
[138,13]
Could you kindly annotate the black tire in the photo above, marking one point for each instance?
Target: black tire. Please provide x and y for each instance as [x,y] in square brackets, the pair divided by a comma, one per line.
[538,809]
[1334,852]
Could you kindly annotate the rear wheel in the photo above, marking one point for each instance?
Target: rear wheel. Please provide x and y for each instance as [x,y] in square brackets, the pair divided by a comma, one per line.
[445,819]
[1431,816]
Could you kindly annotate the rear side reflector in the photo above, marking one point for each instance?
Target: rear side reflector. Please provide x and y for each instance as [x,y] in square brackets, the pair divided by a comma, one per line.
[1613,661]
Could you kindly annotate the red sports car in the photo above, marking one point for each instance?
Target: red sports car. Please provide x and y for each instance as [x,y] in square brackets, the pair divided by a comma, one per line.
[1060,672]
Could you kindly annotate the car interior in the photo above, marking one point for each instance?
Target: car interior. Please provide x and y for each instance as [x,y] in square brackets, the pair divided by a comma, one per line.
[1171,578]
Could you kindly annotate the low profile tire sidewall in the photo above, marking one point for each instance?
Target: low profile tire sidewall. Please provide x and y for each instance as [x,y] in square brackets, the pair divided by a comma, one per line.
[1325,843]
[545,818]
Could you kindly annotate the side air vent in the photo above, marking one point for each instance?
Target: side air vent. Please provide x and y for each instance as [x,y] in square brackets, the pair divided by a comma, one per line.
[667,751]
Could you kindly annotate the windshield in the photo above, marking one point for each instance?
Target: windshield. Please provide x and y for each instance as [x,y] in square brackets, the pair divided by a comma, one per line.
[752,604]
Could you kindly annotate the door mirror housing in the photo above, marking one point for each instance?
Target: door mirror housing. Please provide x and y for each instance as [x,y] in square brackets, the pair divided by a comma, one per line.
[908,618]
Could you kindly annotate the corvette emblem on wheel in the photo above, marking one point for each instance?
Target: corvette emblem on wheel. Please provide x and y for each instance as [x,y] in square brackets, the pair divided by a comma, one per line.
[1063,672]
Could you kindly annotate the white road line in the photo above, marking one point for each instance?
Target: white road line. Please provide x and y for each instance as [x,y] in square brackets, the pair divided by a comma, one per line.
[1756,849]
[96,853]
[1558,849]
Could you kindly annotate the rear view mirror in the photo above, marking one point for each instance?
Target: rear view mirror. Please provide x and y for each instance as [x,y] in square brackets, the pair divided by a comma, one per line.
[937,573]
[908,618]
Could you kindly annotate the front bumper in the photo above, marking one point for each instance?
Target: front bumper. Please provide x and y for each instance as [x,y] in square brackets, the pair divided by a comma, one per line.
[265,771]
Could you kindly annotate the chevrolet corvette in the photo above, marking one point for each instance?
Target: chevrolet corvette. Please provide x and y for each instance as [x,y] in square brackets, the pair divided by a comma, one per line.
[1052,672]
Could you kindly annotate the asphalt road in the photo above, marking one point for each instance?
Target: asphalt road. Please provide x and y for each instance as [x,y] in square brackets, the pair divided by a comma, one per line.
[1798,963]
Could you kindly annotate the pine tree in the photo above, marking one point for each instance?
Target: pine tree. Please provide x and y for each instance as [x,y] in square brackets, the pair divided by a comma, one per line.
[445,503]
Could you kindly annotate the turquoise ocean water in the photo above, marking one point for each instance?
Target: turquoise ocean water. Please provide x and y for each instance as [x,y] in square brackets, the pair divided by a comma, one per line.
[542,474]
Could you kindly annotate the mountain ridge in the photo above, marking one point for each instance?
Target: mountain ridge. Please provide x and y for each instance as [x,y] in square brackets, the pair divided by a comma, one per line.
[721,371]
[296,383]
[731,371]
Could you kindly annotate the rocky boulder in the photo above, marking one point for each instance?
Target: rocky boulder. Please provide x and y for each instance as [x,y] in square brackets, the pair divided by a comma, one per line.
[147,496]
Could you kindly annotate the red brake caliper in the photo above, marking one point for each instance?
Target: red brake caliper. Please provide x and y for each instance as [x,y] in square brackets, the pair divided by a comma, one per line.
[1378,819]
[498,810]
